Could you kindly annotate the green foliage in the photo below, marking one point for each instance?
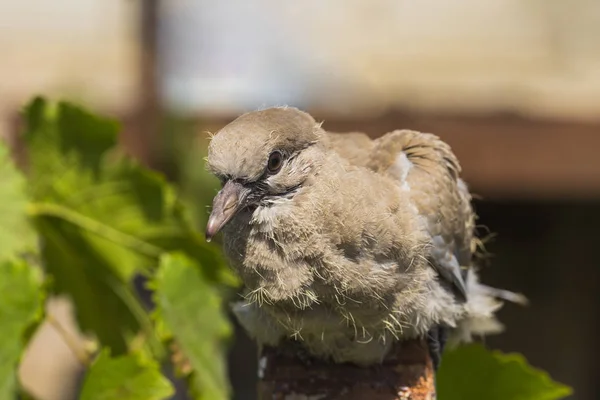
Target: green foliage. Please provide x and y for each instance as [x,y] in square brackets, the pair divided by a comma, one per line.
[103,218]
[189,308]
[125,378]
[93,219]
[472,372]
[189,148]
[20,284]
[21,306]
[15,233]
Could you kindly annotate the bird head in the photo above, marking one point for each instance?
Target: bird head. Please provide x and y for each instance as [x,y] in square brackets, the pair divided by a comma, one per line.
[260,158]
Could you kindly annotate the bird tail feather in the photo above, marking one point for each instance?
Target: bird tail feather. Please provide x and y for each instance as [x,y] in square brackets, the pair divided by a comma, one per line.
[482,304]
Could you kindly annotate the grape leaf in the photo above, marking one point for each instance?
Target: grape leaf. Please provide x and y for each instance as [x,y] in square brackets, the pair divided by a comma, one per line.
[15,231]
[76,174]
[65,183]
[471,372]
[65,147]
[190,310]
[103,218]
[20,308]
[124,378]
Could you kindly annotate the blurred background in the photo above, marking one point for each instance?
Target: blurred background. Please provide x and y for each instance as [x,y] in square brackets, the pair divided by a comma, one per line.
[513,86]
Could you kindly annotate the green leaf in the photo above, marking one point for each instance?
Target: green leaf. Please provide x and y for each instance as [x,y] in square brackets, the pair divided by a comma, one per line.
[124,378]
[103,219]
[191,310]
[105,304]
[21,306]
[72,166]
[471,373]
[15,232]
[66,146]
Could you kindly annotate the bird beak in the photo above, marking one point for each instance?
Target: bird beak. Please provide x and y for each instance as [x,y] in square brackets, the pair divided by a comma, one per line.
[226,204]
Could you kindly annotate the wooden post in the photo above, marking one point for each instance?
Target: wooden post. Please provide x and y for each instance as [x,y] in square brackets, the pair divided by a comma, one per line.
[143,138]
[406,374]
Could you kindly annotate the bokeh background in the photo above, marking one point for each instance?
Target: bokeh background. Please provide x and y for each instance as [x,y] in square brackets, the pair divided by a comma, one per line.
[513,86]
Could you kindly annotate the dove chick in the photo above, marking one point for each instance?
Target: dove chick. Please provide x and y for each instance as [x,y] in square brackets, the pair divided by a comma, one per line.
[344,243]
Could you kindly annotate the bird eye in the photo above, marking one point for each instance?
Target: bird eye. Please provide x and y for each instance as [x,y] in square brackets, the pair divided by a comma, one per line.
[275,162]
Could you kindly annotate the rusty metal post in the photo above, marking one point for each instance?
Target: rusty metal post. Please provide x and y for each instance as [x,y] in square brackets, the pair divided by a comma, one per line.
[406,374]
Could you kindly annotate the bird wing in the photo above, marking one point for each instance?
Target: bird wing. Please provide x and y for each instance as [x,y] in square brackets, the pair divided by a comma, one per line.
[355,147]
[428,171]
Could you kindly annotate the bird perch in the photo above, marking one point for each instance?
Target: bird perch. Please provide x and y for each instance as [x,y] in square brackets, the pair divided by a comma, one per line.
[406,374]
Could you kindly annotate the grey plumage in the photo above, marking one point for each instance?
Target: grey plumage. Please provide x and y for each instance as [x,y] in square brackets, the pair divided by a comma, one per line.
[350,244]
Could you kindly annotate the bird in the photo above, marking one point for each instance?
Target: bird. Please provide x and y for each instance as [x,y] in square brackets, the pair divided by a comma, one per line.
[348,244]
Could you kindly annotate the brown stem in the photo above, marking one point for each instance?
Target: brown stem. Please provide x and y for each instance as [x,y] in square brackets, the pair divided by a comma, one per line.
[406,374]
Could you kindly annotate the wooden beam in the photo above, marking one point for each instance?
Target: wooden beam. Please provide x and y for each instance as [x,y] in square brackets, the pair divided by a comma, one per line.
[507,156]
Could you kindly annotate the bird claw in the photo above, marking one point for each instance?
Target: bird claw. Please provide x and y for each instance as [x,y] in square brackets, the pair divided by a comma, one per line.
[436,341]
